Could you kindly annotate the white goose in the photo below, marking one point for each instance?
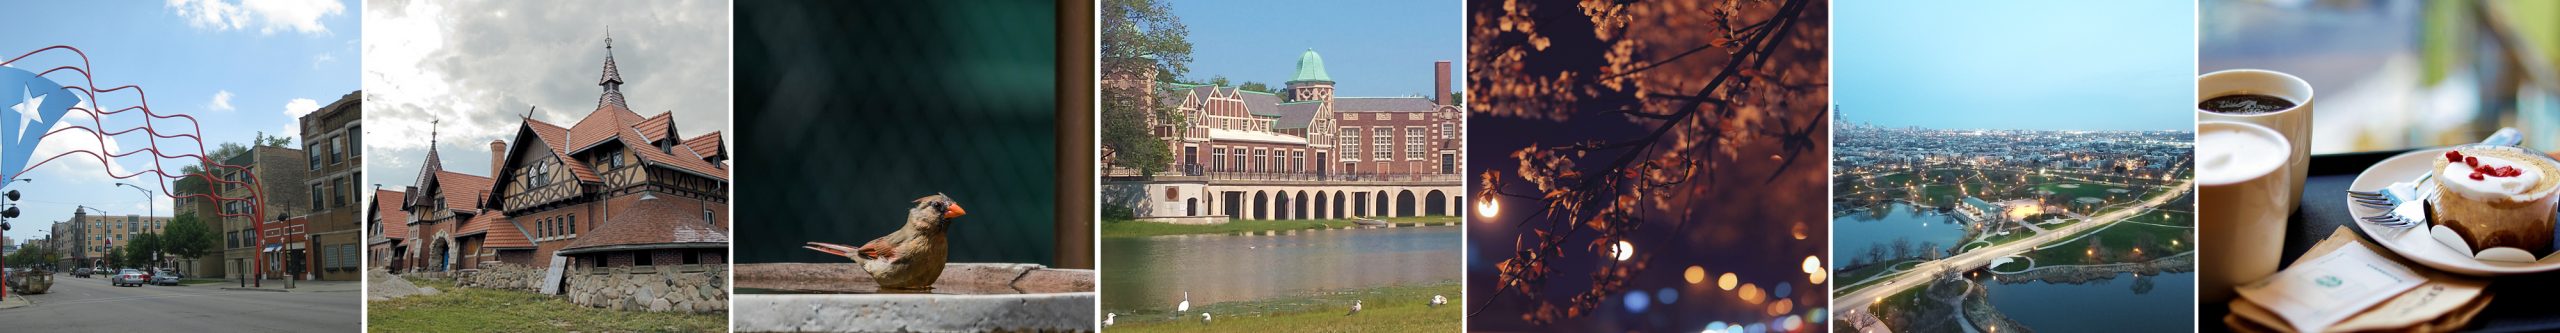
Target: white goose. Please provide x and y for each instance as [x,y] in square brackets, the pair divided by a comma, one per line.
[1438,300]
[1355,308]
[1107,318]
[1185,306]
[1204,319]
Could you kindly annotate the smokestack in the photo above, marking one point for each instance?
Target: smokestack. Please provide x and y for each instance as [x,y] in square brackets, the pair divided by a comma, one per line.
[497,155]
[1440,81]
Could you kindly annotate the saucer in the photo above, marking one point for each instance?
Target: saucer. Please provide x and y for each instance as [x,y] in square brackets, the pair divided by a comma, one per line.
[2418,244]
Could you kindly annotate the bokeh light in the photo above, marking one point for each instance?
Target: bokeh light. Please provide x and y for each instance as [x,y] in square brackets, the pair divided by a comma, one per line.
[1695,274]
[1725,282]
[1488,208]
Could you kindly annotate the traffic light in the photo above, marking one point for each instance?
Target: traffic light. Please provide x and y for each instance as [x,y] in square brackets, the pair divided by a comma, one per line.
[12,211]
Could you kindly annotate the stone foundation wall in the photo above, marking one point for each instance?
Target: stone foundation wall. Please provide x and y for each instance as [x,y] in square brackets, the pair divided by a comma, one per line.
[503,276]
[657,288]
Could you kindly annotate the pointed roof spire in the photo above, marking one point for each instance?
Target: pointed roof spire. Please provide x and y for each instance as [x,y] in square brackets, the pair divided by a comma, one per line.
[612,80]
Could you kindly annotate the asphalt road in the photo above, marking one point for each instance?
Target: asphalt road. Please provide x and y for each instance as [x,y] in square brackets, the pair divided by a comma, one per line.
[91,305]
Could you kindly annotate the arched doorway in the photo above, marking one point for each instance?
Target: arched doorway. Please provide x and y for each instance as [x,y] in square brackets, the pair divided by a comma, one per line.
[1380,200]
[1261,205]
[1323,202]
[1437,203]
[1360,204]
[1302,207]
[1405,203]
[1191,207]
[1280,206]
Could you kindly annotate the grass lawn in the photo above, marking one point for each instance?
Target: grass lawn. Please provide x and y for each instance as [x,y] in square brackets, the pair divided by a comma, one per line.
[1384,309]
[484,310]
[2116,244]
[1129,228]
[1860,274]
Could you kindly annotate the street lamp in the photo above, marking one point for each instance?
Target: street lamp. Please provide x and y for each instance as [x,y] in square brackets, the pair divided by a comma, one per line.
[148,206]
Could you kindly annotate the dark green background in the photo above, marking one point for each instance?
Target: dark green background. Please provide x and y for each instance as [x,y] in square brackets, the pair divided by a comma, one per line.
[851,109]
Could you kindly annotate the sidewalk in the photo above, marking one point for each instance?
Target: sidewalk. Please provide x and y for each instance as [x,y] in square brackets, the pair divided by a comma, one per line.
[15,301]
[298,286]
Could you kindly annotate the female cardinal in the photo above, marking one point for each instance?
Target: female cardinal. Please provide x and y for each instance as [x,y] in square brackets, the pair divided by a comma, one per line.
[911,258]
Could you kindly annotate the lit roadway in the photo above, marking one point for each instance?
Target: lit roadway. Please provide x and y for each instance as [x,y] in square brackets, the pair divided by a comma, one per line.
[91,305]
[1894,283]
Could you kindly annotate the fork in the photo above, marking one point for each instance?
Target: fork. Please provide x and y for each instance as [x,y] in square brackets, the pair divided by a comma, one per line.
[2395,197]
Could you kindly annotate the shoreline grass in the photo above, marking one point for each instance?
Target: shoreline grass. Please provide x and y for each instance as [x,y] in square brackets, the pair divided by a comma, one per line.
[484,310]
[1399,308]
[1112,228]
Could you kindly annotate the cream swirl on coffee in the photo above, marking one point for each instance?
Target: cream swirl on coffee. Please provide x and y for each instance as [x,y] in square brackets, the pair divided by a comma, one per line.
[2517,187]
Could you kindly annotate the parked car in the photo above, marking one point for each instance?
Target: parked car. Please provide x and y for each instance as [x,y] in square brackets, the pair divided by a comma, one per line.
[129,276]
[82,272]
[169,278]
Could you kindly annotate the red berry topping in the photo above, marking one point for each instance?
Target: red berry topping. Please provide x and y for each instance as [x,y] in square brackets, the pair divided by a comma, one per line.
[2476,176]
[2508,171]
[2471,161]
[2453,155]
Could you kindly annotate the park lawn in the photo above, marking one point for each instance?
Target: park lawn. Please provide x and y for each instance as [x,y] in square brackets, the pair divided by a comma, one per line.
[484,310]
[1403,308]
[2116,240]
[1848,278]
[1131,228]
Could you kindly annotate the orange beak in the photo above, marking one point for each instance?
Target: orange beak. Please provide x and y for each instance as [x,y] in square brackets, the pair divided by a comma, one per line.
[954,213]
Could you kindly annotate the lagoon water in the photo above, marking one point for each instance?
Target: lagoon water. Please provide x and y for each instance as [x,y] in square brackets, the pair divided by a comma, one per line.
[1852,234]
[2100,306]
[1150,274]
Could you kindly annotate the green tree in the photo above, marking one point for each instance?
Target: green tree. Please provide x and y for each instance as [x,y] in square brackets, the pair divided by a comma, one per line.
[146,249]
[1220,80]
[1255,86]
[188,237]
[1140,36]
[1146,29]
[271,141]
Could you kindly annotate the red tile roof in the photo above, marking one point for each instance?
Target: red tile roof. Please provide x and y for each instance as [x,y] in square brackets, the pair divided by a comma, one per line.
[652,222]
[503,232]
[462,192]
[558,138]
[661,126]
[394,221]
[706,145]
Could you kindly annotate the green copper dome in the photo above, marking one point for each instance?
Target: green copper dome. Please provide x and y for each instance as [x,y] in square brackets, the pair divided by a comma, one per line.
[1311,68]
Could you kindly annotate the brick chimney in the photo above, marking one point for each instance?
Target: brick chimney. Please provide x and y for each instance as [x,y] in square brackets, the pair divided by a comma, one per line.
[497,155]
[1440,81]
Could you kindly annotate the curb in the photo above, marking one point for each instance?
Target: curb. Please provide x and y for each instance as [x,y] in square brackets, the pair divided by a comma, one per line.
[253,289]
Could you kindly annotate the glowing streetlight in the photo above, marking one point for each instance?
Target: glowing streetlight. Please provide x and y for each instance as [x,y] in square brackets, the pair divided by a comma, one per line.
[1623,250]
[1488,208]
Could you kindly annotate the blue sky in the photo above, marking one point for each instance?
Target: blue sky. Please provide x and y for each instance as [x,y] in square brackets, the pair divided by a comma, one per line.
[1371,48]
[235,66]
[2016,64]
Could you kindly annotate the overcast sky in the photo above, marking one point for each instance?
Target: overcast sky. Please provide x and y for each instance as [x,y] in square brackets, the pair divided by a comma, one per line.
[479,65]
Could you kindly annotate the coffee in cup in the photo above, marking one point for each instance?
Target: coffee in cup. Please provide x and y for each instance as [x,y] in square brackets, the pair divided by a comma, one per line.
[2240,206]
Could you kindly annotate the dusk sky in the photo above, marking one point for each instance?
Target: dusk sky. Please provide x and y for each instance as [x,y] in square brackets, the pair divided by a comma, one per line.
[1370,48]
[2112,65]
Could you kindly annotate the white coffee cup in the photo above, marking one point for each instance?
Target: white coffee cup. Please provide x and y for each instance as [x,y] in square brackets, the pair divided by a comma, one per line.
[2294,123]
[2240,216]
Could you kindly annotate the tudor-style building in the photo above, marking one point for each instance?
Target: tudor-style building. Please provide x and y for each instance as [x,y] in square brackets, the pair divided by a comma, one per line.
[1304,131]
[386,227]
[442,207]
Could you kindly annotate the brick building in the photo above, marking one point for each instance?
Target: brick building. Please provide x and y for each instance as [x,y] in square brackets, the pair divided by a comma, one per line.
[614,200]
[278,183]
[99,236]
[386,226]
[332,142]
[1304,131]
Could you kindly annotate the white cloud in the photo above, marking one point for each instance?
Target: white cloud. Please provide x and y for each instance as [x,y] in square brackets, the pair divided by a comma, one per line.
[477,65]
[269,16]
[318,60]
[221,101]
[295,109]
